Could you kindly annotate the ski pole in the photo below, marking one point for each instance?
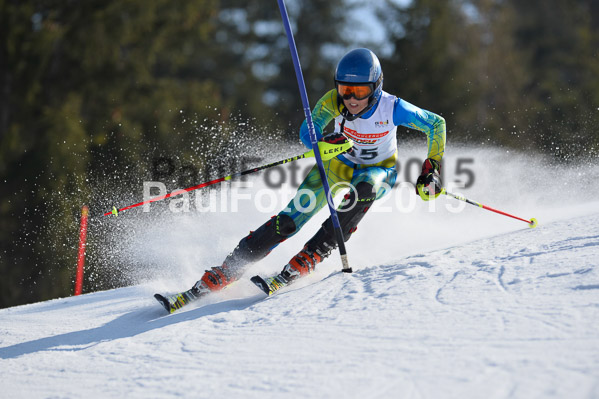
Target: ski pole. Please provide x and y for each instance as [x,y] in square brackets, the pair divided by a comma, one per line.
[327,151]
[532,222]
[313,139]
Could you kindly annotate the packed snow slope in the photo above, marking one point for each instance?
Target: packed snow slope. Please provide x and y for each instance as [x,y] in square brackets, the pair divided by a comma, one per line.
[441,304]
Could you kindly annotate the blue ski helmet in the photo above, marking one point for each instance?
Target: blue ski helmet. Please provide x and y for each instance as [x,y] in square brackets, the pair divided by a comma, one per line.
[360,67]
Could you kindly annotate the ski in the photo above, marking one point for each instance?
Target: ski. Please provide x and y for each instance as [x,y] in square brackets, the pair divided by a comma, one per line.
[270,285]
[172,303]
[175,302]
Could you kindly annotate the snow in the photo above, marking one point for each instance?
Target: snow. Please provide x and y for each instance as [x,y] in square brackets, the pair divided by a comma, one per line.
[440,304]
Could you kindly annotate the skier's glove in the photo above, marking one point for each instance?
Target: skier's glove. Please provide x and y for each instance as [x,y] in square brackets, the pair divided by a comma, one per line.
[339,138]
[429,184]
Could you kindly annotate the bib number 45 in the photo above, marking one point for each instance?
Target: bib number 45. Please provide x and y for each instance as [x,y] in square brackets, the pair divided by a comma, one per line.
[369,153]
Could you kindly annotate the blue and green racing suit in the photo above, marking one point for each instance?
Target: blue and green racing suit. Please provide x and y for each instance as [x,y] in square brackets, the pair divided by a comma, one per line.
[370,173]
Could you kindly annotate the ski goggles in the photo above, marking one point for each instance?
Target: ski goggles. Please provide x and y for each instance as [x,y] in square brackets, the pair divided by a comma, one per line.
[358,91]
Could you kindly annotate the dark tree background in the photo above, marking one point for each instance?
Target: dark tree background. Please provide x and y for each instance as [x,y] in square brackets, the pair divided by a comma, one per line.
[92,92]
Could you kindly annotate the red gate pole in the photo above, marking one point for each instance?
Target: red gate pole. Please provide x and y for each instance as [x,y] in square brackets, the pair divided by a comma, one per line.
[81,255]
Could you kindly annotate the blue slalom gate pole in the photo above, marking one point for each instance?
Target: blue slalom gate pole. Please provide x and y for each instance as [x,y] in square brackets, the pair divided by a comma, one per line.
[313,139]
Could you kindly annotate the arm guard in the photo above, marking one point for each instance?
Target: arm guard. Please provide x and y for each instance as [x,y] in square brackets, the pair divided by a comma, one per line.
[326,109]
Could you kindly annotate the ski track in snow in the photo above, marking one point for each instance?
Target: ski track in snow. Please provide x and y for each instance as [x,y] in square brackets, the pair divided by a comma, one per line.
[513,315]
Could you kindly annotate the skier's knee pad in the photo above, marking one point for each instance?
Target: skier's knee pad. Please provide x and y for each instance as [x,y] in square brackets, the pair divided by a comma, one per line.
[356,203]
[260,242]
[276,230]
[284,225]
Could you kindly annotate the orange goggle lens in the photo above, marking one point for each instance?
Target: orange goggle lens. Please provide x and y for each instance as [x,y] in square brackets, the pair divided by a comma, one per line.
[359,92]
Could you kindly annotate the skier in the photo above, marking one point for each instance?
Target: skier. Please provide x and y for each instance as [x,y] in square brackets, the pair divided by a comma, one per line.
[367,115]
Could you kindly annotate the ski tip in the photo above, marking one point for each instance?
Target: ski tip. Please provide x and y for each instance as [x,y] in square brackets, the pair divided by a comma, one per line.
[533,223]
[260,283]
[164,302]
